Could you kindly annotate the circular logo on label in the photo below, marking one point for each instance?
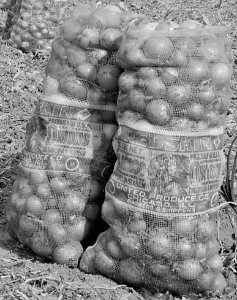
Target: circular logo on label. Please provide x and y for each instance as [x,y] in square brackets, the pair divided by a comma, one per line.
[111,187]
[214,199]
[72,164]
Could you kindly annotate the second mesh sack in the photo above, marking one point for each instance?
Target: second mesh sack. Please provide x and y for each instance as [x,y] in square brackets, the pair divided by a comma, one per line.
[162,199]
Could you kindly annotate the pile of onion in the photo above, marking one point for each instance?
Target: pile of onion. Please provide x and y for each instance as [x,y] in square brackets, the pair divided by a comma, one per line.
[87,51]
[181,253]
[32,27]
[50,214]
[177,75]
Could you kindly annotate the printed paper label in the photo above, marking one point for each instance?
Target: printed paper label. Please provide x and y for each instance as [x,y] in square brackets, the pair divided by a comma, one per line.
[168,174]
[60,133]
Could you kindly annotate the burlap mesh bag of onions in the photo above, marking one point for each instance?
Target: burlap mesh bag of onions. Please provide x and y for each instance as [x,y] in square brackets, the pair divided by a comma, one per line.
[68,156]
[162,198]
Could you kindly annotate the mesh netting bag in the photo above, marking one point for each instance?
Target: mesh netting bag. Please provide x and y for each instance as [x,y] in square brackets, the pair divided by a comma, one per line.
[162,201]
[33,26]
[68,156]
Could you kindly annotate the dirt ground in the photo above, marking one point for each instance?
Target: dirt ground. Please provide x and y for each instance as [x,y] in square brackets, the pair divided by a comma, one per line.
[25,276]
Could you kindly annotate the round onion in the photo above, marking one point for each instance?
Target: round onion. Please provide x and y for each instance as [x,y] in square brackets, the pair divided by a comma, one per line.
[221,75]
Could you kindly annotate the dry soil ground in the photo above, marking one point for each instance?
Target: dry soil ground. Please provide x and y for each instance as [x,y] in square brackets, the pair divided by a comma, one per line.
[24,276]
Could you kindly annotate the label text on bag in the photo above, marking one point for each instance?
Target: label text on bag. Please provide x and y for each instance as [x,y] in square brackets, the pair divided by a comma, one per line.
[165,173]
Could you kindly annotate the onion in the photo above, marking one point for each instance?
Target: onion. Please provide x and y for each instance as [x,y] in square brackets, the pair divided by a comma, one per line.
[221,75]
[114,249]
[75,55]
[206,229]
[178,59]
[68,253]
[131,245]
[184,248]
[80,229]
[195,111]
[184,226]
[159,268]
[160,49]
[59,184]
[155,87]
[135,57]
[205,281]
[186,45]
[34,206]
[158,112]
[221,104]
[59,49]
[136,100]
[40,243]
[52,216]
[137,226]
[131,272]
[170,75]
[108,16]
[73,202]
[130,116]
[96,20]
[108,212]
[27,225]
[43,190]
[89,38]
[57,233]
[219,283]
[201,251]
[196,70]
[86,261]
[160,245]
[95,56]
[110,38]
[96,96]
[70,30]
[212,118]
[190,269]
[127,81]
[108,76]
[80,13]
[206,95]
[38,176]
[215,263]
[178,94]
[51,86]
[87,71]
[211,51]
